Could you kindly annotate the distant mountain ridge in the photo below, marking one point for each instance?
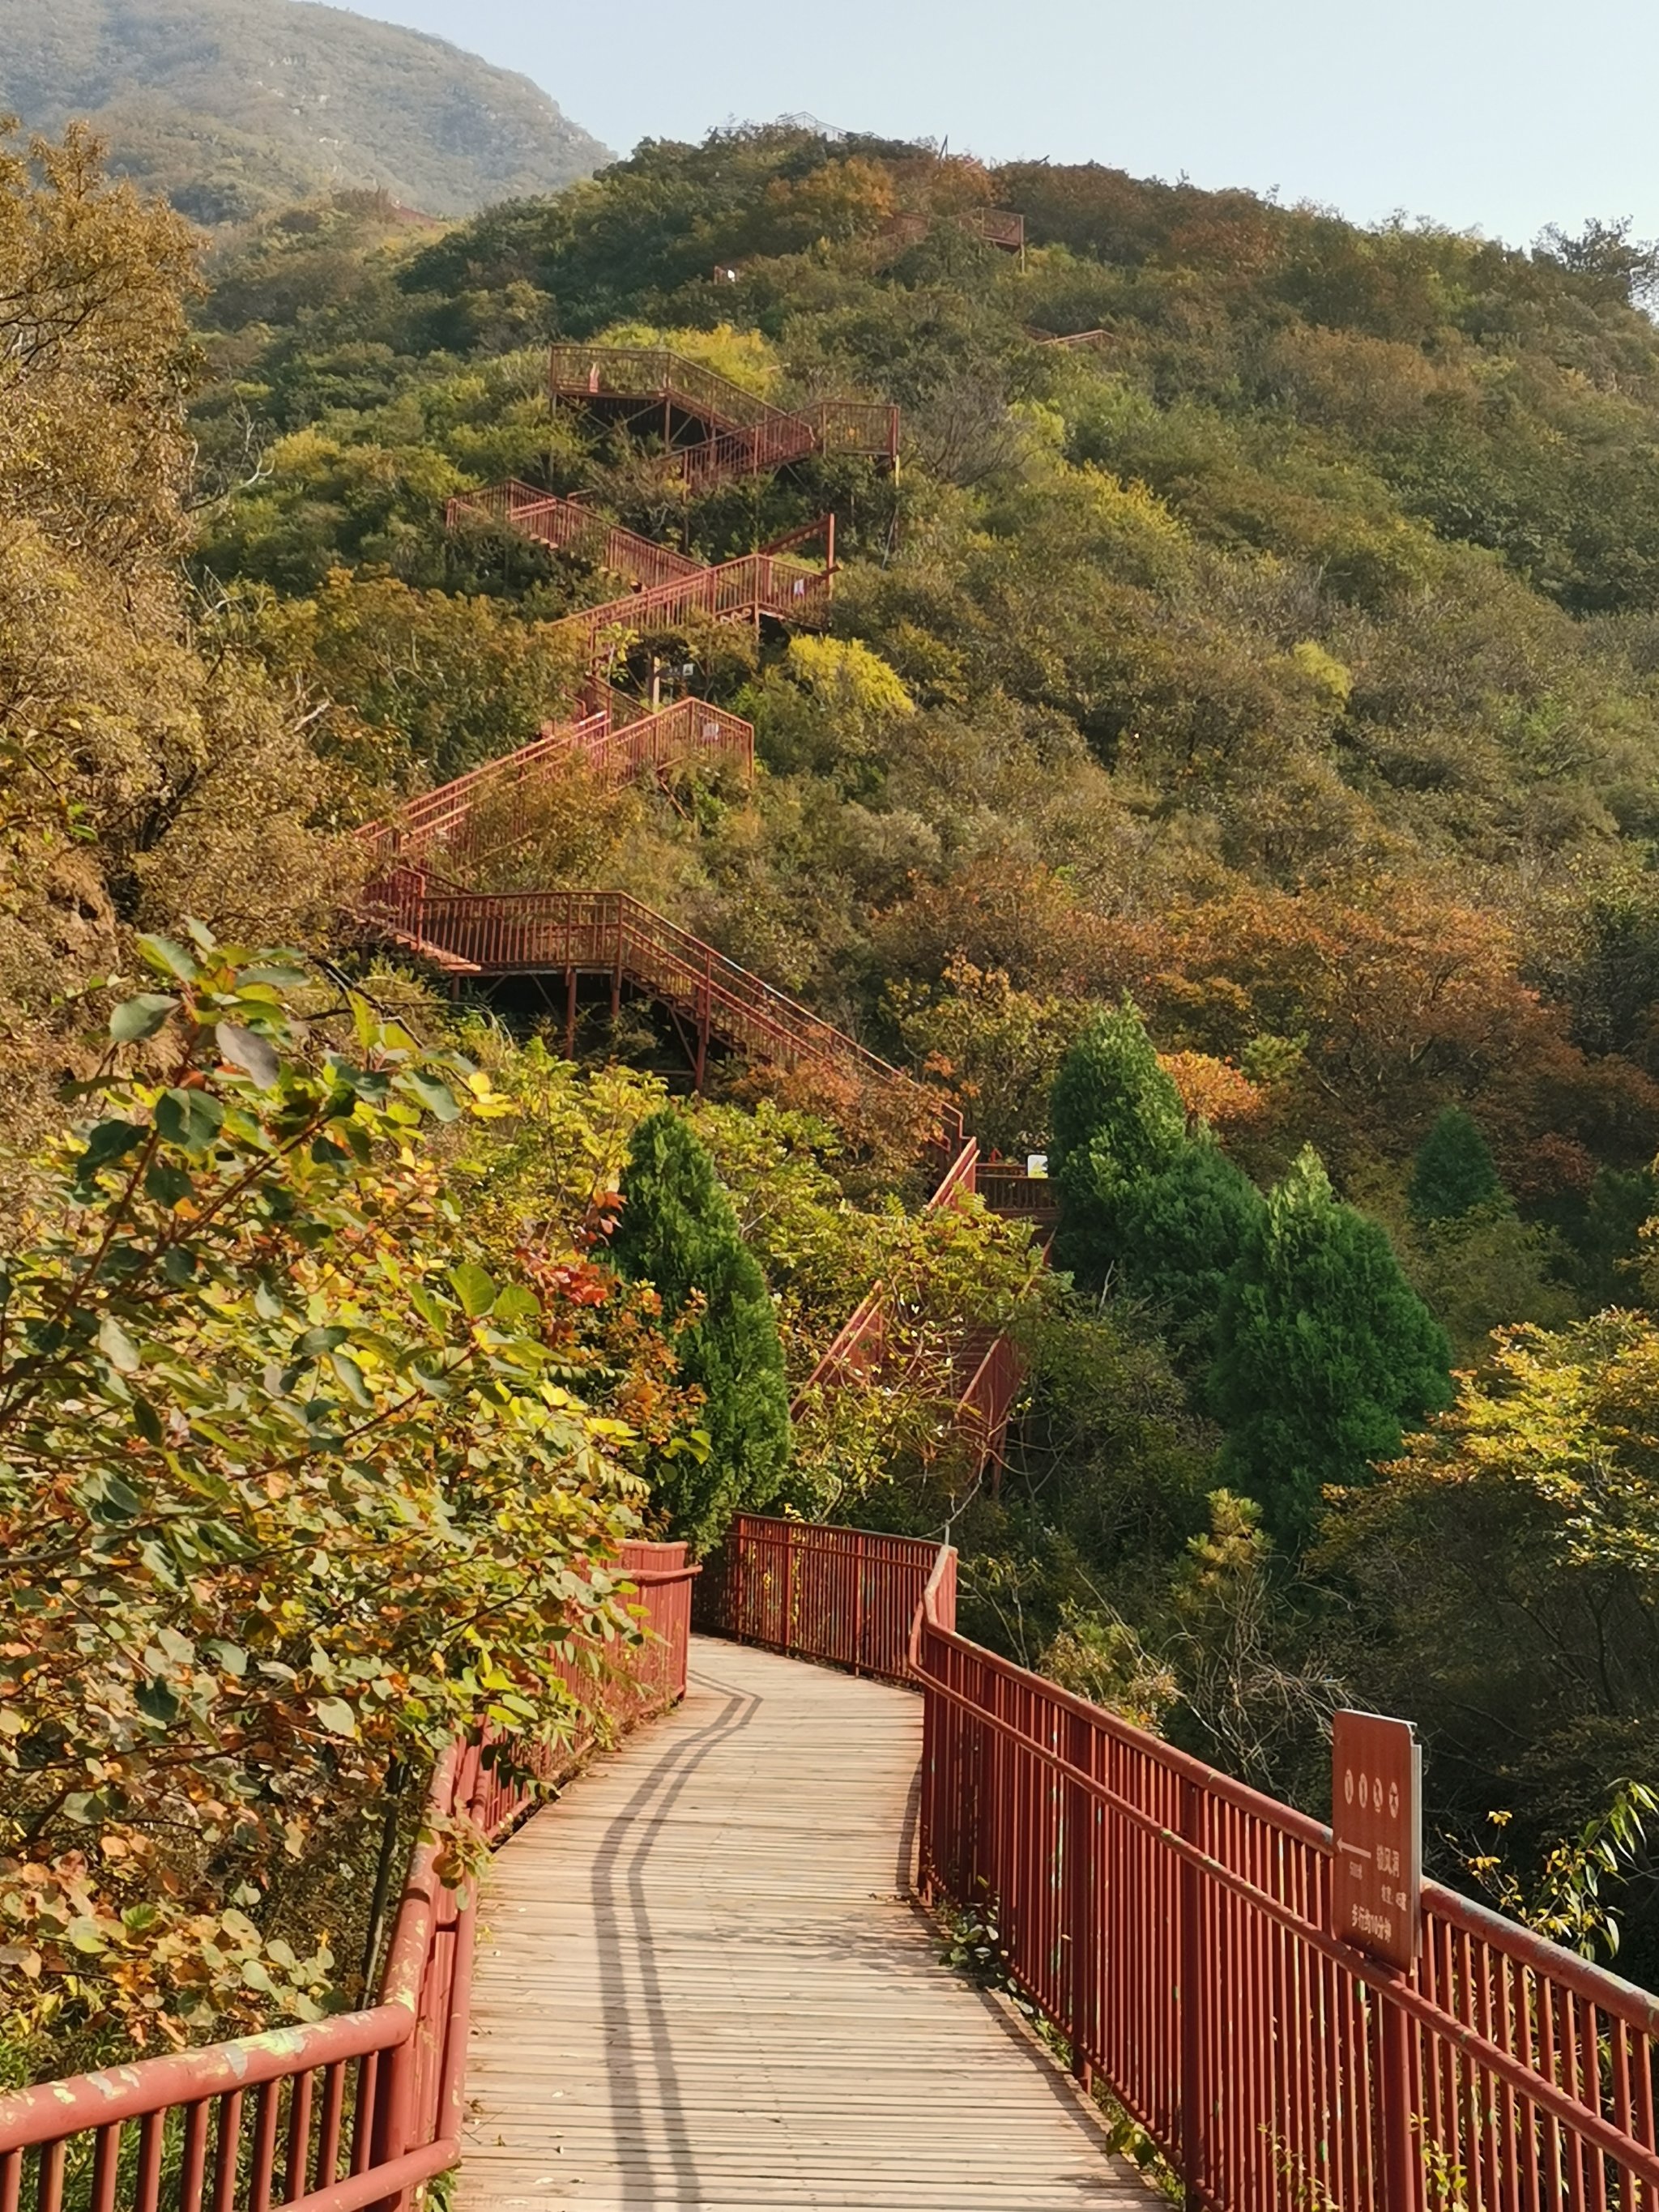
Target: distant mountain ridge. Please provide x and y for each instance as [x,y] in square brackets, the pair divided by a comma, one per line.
[232,107]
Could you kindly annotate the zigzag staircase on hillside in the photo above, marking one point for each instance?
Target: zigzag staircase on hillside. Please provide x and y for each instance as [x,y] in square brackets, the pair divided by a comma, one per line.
[609,934]
[576,933]
[491,809]
[985,1363]
[731,432]
[669,586]
[481,935]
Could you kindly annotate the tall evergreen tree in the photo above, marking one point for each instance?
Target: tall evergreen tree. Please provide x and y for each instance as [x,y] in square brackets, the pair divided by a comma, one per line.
[678,1232]
[1453,1172]
[1325,1354]
[1180,1235]
[1116,1120]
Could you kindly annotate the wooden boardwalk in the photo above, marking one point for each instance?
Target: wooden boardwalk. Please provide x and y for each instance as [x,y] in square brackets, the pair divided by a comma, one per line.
[701,1982]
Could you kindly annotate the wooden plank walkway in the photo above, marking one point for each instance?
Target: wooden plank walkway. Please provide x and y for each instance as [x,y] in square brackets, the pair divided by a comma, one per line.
[701,1982]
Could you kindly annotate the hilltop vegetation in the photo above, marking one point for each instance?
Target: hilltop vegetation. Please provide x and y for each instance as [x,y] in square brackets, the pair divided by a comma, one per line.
[1286,657]
[232,108]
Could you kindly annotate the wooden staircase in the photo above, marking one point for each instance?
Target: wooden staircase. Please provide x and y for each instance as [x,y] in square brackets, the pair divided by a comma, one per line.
[576,934]
[669,586]
[491,809]
[713,430]
[569,525]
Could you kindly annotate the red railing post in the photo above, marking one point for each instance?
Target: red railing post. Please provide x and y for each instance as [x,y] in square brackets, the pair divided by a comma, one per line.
[1194,2132]
[705,1007]
[787,1638]
[858,1603]
[1396,2121]
[1077,1926]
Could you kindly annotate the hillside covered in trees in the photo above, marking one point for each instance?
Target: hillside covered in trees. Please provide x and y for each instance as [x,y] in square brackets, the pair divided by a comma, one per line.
[1231,766]
[232,108]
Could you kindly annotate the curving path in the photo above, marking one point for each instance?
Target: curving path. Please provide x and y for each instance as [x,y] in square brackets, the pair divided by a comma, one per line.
[701,1982]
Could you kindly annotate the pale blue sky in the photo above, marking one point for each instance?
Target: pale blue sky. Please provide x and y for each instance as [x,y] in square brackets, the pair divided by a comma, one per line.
[1500,115]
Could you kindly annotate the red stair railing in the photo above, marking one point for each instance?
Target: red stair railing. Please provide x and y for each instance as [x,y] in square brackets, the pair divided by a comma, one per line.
[521,932]
[1006,1188]
[746,433]
[569,526]
[991,225]
[753,585]
[987,1365]
[344,2113]
[470,818]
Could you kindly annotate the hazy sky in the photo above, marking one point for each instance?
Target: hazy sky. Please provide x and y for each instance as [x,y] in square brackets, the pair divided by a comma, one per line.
[1502,115]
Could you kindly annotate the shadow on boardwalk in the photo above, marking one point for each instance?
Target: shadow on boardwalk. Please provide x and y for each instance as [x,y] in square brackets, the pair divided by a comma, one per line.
[702,1983]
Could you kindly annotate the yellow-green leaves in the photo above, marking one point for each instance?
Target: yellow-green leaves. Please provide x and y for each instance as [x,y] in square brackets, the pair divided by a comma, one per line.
[278,1438]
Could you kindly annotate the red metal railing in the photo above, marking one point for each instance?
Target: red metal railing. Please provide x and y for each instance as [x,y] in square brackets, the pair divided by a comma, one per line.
[991,225]
[848,1596]
[988,1370]
[472,817]
[860,1345]
[1175,1927]
[352,2111]
[608,932]
[1008,1189]
[1070,341]
[753,585]
[607,372]
[855,1353]
[747,434]
[570,527]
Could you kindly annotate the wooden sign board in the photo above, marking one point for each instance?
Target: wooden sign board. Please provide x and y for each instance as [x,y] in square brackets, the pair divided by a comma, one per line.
[1376,1825]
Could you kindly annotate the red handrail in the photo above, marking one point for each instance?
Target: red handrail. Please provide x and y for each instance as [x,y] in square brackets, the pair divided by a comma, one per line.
[992,226]
[747,434]
[611,744]
[570,527]
[502,933]
[753,585]
[1174,1925]
[847,1596]
[348,2113]
[1008,1189]
[988,1367]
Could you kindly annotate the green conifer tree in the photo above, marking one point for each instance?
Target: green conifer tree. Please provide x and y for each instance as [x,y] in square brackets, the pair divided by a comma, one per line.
[1453,1172]
[1325,1354]
[678,1232]
[1116,1120]
[1180,1235]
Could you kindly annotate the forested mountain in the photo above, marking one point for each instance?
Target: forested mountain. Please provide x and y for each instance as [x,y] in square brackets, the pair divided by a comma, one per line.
[1296,631]
[1232,764]
[231,106]
[1285,655]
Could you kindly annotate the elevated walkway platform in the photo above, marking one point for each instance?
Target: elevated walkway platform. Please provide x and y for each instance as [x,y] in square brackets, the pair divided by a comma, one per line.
[701,1982]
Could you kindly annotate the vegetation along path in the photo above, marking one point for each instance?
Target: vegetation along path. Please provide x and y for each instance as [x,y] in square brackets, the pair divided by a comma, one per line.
[701,1982]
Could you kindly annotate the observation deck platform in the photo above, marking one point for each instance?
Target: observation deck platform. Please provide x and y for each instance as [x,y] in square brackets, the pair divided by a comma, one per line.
[701,1982]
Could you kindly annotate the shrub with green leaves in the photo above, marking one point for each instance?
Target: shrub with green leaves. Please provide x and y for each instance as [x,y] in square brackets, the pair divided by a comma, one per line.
[1180,1233]
[1147,1201]
[292,1485]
